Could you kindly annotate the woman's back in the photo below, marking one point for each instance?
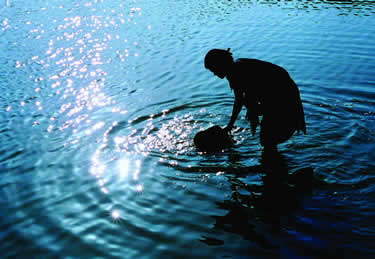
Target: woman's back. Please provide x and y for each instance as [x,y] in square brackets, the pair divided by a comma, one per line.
[269,87]
[262,80]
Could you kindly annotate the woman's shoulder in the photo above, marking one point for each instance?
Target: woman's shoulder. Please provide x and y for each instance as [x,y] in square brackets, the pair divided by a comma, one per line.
[259,67]
[245,61]
[242,68]
[253,61]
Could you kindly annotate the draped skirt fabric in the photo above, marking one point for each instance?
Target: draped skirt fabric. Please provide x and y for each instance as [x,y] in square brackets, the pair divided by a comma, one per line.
[282,116]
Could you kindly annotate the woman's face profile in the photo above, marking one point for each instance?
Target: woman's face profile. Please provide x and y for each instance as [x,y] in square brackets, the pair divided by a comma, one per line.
[218,72]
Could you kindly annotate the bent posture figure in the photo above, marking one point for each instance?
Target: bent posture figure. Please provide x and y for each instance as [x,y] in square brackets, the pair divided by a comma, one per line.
[265,89]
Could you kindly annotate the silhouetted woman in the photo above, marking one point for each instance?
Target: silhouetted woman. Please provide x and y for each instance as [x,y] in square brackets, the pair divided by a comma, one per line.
[265,89]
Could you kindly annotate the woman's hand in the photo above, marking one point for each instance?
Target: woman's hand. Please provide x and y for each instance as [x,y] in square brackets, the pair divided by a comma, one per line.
[229,127]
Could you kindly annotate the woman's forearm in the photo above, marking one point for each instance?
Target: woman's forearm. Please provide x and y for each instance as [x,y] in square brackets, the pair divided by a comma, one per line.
[237,106]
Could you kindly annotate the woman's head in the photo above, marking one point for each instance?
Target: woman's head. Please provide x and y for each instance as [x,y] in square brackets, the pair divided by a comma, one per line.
[218,61]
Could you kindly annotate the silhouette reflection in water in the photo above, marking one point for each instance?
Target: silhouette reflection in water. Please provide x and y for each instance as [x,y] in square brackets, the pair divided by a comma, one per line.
[260,213]
[266,90]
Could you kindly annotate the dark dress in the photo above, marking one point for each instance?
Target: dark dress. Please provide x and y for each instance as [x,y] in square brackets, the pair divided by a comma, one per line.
[267,89]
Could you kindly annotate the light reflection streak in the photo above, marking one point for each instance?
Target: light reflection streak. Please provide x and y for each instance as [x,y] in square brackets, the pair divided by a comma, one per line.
[120,157]
[123,167]
[126,167]
[75,58]
[78,47]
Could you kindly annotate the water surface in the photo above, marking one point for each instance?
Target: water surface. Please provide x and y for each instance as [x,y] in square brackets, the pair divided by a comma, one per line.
[100,101]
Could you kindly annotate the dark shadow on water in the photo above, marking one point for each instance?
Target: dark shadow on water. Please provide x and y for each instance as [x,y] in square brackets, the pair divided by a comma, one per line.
[259,212]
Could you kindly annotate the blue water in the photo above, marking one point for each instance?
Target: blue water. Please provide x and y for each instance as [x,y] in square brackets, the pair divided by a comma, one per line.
[100,101]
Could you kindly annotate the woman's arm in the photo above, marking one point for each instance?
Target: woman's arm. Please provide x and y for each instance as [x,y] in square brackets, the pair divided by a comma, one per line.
[237,106]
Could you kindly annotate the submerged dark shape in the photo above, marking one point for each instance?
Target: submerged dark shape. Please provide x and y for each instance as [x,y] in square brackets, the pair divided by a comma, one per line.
[212,139]
[266,90]
[252,210]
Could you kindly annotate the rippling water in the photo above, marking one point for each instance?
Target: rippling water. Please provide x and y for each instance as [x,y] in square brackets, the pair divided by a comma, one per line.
[100,101]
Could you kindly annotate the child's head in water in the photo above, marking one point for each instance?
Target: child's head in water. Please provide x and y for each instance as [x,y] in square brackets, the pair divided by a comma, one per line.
[218,61]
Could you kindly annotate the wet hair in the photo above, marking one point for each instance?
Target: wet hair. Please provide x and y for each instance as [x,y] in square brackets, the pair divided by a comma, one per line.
[217,57]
